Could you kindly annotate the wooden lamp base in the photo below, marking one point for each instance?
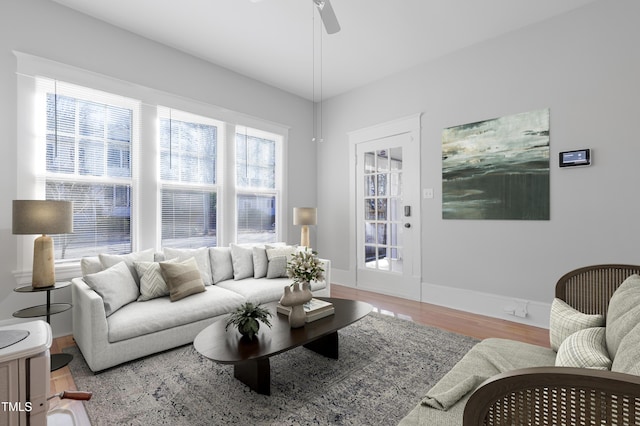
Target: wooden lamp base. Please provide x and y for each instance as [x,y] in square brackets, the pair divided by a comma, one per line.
[304,236]
[43,263]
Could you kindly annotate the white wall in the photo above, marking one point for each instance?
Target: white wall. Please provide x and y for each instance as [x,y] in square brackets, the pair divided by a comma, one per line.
[585,67]
[46,29]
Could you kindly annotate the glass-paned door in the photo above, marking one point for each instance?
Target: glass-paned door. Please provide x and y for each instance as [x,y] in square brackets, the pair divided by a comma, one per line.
[382,181]
[387,215]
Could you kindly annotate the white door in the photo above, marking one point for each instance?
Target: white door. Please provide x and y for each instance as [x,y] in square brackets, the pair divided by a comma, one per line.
[388,215]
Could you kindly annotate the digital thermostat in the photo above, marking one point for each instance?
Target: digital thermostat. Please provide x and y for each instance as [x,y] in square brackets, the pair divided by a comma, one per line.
[579,157]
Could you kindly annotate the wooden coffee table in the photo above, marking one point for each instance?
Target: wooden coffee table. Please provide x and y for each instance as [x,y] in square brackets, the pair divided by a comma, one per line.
[250,359]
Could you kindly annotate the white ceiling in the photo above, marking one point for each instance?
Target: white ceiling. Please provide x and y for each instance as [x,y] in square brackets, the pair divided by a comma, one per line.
[272,40]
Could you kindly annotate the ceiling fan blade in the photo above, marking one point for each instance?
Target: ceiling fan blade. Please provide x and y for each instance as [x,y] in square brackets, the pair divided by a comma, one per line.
[328,16]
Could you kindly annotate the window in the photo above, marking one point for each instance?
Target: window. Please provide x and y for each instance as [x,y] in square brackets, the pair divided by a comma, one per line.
[188,174]
[143,175]
[257,187]
[88,147]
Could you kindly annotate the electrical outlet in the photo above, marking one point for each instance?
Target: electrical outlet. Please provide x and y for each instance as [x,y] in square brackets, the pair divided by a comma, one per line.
[518,308]
[427,193]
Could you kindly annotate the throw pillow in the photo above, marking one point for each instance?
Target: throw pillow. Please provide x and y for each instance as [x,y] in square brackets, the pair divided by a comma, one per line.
[278,257]
[182,278]
[277,267]
[109,260]
[260,262]
[200,254]
[565,320]
[90,265]
[623,313]
[242,259]
[221,264]
[115,285]
[152,283]
[627,359]
[586,348]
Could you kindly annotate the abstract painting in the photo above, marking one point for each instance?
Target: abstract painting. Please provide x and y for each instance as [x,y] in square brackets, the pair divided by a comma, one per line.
[497,169]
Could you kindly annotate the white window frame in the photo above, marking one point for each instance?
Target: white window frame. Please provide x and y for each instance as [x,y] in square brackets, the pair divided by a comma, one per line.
[277,191]
[179,115]
[147,232]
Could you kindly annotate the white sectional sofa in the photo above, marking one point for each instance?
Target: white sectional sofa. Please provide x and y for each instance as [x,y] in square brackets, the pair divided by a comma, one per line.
[113,323]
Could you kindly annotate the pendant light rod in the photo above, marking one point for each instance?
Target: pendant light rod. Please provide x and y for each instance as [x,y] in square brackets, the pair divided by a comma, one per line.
[317,106]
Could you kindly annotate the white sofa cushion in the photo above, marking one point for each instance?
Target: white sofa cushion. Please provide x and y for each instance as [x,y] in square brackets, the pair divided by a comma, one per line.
[108,260]
[141,318]
[260,261]
[565,320]
[201,255]
[221,264]
[263,290]
[90,265]
[585,349]
[115,285]
[242,259]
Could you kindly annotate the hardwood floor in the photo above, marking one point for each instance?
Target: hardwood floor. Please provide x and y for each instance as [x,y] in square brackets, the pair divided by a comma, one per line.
[473,325]
[461,322]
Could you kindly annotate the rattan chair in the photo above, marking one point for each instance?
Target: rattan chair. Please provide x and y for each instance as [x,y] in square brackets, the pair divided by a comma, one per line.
[562,395]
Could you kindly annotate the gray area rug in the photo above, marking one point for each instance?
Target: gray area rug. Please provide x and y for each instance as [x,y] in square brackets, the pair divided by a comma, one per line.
[385,367]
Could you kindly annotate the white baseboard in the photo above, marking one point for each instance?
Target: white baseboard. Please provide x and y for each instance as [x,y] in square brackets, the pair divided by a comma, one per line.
[491,305]
[343,277]
[477,302]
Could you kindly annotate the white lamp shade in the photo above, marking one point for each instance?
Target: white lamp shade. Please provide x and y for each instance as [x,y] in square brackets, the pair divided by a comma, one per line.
[42,217]
[305,216]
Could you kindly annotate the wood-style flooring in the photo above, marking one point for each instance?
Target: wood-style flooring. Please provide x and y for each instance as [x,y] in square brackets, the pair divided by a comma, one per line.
[448,319]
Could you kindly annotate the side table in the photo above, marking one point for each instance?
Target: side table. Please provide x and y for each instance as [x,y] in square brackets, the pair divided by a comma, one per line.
[57,360]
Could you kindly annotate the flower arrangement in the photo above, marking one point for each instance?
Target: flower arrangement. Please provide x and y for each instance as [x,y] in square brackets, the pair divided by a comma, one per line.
[305,266]
[246,318]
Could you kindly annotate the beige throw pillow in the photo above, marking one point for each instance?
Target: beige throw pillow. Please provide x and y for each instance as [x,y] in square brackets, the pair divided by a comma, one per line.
[201,255]
[182,278]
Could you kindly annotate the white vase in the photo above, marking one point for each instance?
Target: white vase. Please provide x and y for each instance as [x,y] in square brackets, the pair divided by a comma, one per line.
[295,297]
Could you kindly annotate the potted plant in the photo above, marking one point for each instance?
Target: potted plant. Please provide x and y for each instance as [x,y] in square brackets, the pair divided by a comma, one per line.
[246,318]
[305,267]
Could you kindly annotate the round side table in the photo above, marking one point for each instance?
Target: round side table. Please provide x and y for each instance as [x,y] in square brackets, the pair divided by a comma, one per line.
[57,360]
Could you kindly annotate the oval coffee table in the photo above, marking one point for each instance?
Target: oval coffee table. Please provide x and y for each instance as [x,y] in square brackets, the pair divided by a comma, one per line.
[250,359]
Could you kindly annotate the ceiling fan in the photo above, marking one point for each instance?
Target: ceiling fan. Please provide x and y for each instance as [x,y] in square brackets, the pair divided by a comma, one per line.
[328,16]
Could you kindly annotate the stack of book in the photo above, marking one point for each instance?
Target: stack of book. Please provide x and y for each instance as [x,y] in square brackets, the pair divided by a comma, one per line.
[315,309]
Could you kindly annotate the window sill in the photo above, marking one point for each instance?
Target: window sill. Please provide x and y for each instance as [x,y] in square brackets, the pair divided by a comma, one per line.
[64,272]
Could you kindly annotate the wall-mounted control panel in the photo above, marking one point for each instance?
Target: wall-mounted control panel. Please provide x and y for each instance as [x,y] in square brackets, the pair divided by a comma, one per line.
[578,157]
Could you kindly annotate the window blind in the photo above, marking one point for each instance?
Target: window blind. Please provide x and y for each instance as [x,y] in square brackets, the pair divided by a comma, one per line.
[88,147]
[257,189]
[189,181]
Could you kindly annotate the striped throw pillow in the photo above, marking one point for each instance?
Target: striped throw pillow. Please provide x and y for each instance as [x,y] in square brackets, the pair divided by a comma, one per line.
[182,278]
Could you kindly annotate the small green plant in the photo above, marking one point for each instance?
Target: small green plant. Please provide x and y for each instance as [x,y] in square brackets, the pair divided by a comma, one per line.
[305,266]
[246,318]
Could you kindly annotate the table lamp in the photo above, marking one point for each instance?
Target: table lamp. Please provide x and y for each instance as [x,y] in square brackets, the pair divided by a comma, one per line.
[42,217]
[305,216]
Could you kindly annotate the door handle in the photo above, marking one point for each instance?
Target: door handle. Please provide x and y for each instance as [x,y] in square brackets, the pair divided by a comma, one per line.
[407,225]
